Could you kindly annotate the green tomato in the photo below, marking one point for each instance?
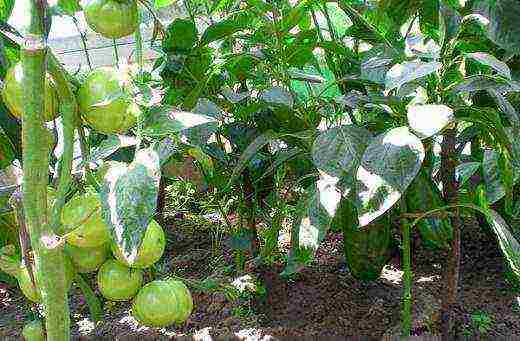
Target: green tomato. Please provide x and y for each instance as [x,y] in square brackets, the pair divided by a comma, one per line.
[13,94]
[151,248]
[32,292]
[162,302]
[33,331]
[112,18]
[117,282]
[81,218]
[87,259]
[105,103]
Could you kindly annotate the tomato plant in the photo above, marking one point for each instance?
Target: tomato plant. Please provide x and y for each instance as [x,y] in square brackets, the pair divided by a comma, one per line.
[370,119]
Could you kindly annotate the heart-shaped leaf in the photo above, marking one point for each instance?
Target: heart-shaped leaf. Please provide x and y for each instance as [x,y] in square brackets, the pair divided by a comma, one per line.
[129,199]
[429,119]
[388,166]
[338,151]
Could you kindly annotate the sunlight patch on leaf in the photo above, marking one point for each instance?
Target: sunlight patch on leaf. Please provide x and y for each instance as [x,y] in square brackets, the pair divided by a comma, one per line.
[406,72]
[388,166]
[429,119]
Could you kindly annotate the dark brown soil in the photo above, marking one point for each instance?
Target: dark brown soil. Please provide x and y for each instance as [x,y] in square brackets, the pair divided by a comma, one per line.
[323,300]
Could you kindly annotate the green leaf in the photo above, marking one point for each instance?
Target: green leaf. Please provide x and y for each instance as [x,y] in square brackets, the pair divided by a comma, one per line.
[6,8]
[295,15]
[7,151]
[181,35]
[508,243]
[277,95]
[316,211]
[162,3]
[449,21]
[401,74]
[464,171]
[504,16]
[388,166]
[129,199]
[69,7]
[483,82]
[222,29]
[94,305]
[429,119]
[492,62]
[338,151]
[376,63]
[252,149]
[164,120]
[492,178]
[109,146]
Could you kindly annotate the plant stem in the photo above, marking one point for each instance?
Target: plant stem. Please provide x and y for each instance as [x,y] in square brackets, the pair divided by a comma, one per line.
[450,187]
[49,256]
[407,279]
[139,49]
[68,118]
[116,54]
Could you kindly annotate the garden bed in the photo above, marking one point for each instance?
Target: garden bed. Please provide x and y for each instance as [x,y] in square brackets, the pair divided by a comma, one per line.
[323,300]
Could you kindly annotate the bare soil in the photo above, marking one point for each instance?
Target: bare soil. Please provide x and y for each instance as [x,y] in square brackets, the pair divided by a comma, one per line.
[324,300]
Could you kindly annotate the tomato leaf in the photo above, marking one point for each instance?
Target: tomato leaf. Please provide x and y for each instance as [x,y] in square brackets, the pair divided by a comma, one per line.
[129,199]
[388,166]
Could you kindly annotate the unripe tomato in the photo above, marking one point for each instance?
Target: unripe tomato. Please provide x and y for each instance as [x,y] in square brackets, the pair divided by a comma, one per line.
[162,302]
[13,94]
[105,102]
[33,331]
[81,218]
[151,248]
[118,282]
[112,18]
[87,259]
